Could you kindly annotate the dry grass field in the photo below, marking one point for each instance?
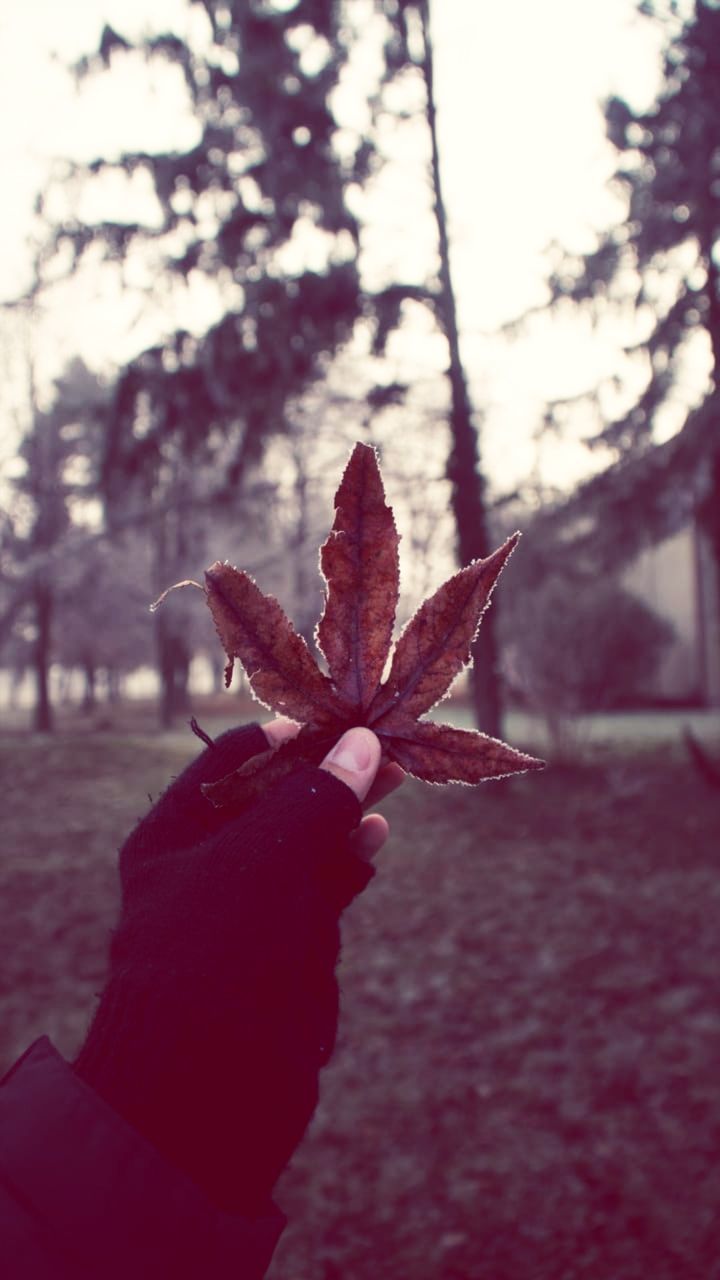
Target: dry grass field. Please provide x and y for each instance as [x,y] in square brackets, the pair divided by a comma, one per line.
[527,1081]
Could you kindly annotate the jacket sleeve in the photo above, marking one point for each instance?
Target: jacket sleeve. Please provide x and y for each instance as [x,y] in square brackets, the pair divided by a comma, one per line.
[82,1194]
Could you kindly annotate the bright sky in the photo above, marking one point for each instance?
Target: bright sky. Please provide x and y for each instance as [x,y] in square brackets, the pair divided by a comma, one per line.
[525,163]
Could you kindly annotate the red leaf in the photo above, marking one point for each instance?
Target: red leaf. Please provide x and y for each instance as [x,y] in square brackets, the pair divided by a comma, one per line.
[436,643]
[360,563]
[440,753]
[252,627]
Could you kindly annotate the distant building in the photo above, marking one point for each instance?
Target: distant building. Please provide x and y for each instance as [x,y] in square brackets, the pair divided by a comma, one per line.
[677,579]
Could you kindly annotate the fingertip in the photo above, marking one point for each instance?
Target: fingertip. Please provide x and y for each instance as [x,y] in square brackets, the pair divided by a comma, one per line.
[355,760]
[280,730]
[370,836]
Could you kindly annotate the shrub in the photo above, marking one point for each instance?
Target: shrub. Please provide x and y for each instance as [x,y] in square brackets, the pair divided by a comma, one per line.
[582,646]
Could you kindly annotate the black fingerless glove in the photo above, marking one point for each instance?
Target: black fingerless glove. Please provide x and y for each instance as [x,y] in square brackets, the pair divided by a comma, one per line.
[221,1003]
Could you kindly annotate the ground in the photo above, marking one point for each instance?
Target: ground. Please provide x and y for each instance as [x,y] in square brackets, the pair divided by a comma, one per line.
[526,1081]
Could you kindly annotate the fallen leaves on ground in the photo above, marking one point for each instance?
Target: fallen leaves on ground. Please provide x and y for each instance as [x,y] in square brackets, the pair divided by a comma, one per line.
[525,1084]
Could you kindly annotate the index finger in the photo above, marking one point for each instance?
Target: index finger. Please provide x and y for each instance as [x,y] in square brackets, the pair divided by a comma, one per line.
[280,730]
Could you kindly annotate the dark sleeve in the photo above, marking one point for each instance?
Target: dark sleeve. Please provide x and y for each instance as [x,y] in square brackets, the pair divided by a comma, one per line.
[83,1195]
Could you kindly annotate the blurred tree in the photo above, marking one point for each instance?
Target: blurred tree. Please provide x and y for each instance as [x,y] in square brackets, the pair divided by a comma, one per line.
[663,261]
[410,43]
[267,176]
[103,625]
[259,193]
[57,457]
[239,207]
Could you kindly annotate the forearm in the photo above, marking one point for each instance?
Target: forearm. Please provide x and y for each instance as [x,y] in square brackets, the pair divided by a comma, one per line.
[83,1195]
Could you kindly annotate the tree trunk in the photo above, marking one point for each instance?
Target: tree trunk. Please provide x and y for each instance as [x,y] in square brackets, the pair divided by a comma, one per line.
[174,668]
[89,696]
[217,668]
[709,514]
[43,718]
[304,597]
[463,467]
[114,685]
[170,545]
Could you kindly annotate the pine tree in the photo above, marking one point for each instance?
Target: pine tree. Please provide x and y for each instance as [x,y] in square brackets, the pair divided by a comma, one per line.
[263,172]
[263,169]
[663,259]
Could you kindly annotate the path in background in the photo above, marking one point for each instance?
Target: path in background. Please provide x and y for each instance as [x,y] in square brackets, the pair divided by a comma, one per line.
[223,711]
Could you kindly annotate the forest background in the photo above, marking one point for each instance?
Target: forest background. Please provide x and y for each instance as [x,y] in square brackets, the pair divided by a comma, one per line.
[222,289]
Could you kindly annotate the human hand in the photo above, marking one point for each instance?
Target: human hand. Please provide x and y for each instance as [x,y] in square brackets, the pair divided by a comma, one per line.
[221,1002]
[371,784]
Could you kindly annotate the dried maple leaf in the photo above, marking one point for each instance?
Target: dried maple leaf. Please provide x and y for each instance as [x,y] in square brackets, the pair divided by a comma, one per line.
[360,565]
[359,562]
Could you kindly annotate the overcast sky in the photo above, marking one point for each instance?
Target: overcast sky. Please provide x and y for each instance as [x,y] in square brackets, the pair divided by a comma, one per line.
[525,163]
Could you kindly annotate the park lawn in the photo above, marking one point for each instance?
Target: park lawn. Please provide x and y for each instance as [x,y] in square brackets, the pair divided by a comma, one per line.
[526,1083]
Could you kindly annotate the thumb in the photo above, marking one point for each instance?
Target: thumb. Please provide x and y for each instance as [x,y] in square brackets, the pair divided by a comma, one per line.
[355,760]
